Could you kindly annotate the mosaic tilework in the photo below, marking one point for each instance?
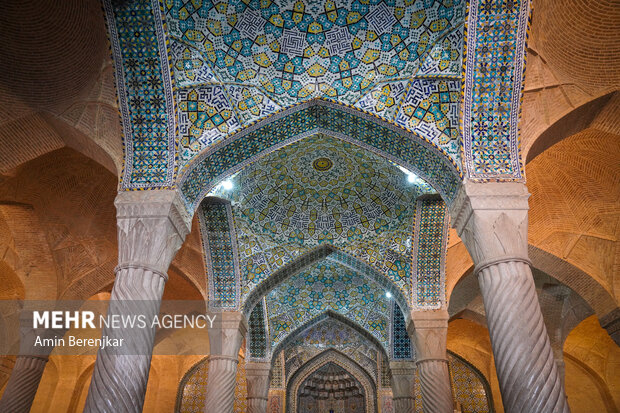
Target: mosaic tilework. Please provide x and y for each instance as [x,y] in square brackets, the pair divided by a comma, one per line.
[444,60]
[394,265]
[204,116]
[469,387]
[383,280]
[191,394]
[234,63]
[494,72]
[287,52]
[431,233]
[296,50]
[384,99]
[339,359]
[316,256]
[251,104]
[287,203]
[220,252]
[401,343]
[336,334]
[309,119]
[144,92]
[258,336]
[277,372]
[431,109]
[327,286]
[386,375]
[189,65]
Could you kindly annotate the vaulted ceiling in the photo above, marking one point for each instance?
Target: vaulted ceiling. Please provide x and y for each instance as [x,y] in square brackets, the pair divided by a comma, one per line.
[322,190]
[236,62]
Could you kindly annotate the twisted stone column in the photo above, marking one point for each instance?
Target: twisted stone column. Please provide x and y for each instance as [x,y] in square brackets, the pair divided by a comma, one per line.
[151,228]
[403,386]
[23,384]
[30,363]
[229,329]
[429,331]
[258,376]
[491,219]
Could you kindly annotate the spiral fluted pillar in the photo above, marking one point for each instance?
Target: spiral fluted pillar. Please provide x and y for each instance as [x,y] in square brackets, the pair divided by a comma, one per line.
[257,376]
[23,384]
[429,331]
[491,219]
[403,386]
[151,228]
[225,337]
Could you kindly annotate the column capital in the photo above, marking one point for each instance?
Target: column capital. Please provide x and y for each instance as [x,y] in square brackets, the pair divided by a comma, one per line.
[491,218]
[258,376]
[257,368]
[429,331]
[402,368]
[229,329]
[151,228]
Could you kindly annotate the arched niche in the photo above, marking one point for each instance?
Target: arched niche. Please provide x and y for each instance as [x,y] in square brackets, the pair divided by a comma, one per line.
[338,359]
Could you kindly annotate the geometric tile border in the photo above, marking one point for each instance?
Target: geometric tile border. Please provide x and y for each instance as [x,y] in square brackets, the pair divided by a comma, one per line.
[429,253]
[144,88]
[219,241]
[496,35]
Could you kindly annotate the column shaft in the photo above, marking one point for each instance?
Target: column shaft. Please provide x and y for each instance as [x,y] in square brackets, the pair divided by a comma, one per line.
[524,360]
[120,376]
[23,384]
[492,220]
[258,378]
[151,228]
[220,392]
[403,386]
[225,339]
[429,331]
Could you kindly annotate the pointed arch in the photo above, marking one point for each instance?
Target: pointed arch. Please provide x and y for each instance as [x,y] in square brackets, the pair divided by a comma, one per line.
[329,314]
[319,116]
[340,359]
[322,252]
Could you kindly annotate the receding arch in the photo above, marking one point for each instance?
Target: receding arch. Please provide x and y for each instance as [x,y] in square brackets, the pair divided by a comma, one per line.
[571,123]
[576,279]
[329,314]
[600,384]
[80,390]
[329,252]
[35,268]
[319,116]
[340,359]
[597,297]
